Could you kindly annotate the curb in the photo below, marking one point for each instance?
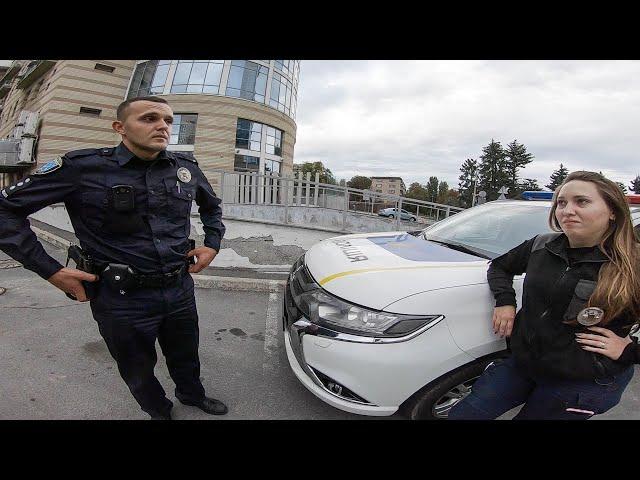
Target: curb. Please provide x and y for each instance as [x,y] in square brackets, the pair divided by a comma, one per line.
[237,284]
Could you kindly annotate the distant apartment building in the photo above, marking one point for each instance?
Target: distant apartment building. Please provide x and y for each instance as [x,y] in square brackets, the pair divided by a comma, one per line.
[390,185]
[233,115]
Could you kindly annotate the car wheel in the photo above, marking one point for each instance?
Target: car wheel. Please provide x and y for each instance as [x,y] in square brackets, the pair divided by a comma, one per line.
[412,219]
[434,401]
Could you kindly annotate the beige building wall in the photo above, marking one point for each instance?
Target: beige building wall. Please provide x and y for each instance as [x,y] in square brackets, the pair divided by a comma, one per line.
[71,84]
[391,185]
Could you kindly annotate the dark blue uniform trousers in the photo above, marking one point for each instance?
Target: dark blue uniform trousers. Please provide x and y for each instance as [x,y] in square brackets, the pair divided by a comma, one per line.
[130,325]
[505,385]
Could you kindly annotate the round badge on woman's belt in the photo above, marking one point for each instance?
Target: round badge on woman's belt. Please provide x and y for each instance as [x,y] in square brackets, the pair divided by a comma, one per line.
[184,175]
[590,316]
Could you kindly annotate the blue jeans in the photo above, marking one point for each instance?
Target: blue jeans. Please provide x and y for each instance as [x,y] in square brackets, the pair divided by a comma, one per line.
[504,385]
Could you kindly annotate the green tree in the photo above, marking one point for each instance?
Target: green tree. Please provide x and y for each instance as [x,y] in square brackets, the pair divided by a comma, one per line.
[359,181]
[317,167]
[635,185]
[622,187]
[530,184]
[557,177]
[432,189]
[516,157]
[492,171]
[416,191]
[443,192]
[468,173]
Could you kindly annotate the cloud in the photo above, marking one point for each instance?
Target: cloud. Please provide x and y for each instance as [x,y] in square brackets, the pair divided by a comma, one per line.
[416,119]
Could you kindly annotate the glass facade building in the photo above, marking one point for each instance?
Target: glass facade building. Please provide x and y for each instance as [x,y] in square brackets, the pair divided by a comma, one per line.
[257,86]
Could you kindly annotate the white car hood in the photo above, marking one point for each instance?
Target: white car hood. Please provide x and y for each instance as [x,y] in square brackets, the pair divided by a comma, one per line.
[377,269]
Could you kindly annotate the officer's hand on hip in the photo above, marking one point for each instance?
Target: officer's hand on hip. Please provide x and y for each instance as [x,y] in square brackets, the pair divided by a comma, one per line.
[503,318]
[69,280]
[204,256]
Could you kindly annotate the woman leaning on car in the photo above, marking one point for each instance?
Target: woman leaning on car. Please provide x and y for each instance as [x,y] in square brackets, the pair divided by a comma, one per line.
[571,353]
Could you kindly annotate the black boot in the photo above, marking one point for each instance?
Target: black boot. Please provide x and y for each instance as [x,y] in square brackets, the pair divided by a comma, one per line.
[208,405]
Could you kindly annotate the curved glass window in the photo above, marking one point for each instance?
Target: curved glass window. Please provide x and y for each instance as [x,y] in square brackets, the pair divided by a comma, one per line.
[247,80]
[197,76]
[248,135]
[274,141]
[246,163]
[149,78]
[280,93]
[272,166]
[183,130]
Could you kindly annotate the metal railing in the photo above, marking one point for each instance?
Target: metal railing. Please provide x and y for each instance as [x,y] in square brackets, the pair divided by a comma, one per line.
[246,188]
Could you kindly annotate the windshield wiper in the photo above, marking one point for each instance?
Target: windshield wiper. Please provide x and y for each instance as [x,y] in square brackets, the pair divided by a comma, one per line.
[460,248]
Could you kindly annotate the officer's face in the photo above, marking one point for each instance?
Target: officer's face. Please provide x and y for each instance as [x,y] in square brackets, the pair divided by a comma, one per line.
[147,125]
[582,212]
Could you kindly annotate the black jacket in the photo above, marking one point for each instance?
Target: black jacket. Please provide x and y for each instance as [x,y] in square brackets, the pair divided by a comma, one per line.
[554,291]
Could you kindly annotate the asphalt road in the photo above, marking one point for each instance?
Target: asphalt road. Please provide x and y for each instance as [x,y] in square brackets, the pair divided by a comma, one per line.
[55,364]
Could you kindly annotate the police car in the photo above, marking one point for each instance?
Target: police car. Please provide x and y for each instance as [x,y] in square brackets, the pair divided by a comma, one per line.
[377,323]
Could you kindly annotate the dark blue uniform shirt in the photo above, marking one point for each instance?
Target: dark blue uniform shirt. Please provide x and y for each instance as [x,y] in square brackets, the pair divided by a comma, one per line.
[153,238]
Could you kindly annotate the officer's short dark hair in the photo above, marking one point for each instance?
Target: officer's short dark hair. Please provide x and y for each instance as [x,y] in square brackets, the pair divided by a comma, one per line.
[120,114]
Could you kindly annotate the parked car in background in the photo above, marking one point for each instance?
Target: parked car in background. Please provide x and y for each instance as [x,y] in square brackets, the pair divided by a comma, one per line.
[377,323]
[393,212]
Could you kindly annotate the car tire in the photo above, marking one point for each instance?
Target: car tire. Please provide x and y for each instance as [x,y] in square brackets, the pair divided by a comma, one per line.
[412,219]
[434,401]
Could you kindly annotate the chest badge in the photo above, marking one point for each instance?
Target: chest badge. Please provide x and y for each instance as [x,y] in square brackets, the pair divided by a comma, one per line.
[184,175]
[590,316]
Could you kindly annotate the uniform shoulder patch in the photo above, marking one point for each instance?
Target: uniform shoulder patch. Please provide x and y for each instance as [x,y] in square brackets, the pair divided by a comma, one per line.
[49,167]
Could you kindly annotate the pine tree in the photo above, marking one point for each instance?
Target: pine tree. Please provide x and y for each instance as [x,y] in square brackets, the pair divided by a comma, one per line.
[516,157]
[492,171]
[432,189]
[529,184]
[557,177]
[635,185]
[443,192]
[469,170]
[622,187]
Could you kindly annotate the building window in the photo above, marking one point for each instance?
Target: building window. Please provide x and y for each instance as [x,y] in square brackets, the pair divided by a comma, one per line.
[392,191]
[378,185]
[197,76]
[149,78]
[283,66]
[104,68]
[94,112]
[247,80]
[274,141]
[248,135]
[272,166]
[280,93]
[246,163]
[183,131]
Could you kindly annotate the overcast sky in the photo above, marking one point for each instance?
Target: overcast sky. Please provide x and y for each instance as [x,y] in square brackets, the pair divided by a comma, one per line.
[415,119]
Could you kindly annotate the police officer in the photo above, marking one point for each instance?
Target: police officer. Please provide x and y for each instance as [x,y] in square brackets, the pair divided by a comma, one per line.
[130,209]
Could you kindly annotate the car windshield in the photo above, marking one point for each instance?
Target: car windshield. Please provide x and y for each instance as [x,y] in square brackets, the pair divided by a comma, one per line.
[491,229]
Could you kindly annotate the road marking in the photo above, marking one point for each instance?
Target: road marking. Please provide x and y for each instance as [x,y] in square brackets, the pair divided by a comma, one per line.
[270,359]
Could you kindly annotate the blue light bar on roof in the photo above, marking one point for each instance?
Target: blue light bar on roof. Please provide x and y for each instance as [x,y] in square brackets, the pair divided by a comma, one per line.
[535,195]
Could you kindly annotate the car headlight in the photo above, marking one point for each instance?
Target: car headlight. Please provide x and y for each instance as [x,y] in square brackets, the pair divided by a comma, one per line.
[331,312]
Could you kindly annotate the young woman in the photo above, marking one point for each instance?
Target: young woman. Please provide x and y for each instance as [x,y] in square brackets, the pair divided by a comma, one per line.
[572,356]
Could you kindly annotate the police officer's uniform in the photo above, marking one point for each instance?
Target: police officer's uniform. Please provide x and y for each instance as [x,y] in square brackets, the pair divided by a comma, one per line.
[151,238]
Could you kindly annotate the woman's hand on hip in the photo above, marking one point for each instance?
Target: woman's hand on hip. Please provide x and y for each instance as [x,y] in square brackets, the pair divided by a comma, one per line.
[605,343]
[503,318]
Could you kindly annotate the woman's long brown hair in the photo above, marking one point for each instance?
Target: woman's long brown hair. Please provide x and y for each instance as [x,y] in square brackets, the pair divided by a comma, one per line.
[618,289]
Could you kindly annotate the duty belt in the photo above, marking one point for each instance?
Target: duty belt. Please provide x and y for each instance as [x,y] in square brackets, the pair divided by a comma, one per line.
[123,277]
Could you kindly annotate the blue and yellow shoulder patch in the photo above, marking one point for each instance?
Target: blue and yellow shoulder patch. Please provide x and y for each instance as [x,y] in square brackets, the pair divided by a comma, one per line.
[49,167]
